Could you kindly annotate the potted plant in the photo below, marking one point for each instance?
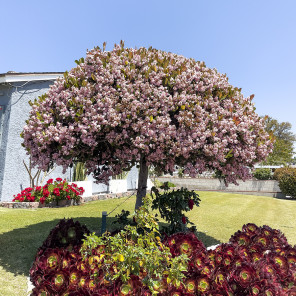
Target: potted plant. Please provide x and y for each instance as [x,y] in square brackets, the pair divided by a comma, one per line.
[79,178]
[118,184]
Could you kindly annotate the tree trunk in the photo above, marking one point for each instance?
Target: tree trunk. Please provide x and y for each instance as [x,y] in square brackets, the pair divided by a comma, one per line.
[142,182]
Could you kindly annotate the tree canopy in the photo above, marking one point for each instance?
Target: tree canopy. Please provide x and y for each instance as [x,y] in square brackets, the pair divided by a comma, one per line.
[283,149]
[128,106]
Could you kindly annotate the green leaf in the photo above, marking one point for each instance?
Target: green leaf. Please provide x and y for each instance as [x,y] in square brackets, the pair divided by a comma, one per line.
[229,154]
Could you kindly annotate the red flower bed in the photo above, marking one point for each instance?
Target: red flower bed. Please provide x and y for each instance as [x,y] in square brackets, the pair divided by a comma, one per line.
[53,190]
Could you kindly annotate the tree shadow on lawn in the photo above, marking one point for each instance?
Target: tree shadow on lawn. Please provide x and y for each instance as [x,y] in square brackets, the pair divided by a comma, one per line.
[19,246]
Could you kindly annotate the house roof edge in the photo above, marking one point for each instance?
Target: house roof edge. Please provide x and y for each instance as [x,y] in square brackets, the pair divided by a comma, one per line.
[33,76]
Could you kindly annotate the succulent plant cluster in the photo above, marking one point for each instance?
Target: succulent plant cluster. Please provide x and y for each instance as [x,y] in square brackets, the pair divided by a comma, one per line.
[255,261]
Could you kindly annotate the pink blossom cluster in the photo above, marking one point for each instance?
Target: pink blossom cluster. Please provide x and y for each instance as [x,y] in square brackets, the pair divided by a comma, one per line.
[118,106]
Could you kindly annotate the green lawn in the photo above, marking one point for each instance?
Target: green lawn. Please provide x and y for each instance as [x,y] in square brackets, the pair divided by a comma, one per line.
[217,218]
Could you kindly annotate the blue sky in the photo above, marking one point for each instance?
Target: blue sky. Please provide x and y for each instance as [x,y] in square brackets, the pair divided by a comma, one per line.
[253,42]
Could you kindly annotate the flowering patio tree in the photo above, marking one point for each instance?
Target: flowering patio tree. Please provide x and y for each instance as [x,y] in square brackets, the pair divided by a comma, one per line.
[145,107]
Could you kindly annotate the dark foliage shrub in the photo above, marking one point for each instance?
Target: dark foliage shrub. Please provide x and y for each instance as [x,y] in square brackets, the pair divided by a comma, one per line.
[262,174]
[172,205]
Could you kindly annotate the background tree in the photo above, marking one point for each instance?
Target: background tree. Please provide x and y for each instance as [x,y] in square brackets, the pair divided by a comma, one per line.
[283,149]
[147,107]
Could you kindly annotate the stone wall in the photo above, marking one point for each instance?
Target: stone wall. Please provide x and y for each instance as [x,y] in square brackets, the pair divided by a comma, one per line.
[251,187]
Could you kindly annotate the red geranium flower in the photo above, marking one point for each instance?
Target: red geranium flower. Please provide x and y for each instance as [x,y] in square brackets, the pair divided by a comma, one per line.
[59,179]
[190,203]
[49,181]
[56,191]
[46,193]
[42,199]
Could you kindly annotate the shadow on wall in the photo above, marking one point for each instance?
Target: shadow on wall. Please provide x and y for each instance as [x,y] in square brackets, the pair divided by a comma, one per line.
[19,246]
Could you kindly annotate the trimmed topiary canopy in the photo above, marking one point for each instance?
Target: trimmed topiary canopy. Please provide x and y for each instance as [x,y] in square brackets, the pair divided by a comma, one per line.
[144,106]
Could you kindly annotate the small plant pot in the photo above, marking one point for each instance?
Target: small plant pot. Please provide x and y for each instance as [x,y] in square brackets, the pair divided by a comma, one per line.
[64,203]
[47,205]
[42,205]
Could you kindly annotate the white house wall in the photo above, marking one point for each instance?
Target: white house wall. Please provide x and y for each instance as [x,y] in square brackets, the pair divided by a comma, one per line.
[13,175]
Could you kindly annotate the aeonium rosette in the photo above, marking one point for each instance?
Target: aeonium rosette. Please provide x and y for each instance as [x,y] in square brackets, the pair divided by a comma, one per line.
[53,190]
[184,243]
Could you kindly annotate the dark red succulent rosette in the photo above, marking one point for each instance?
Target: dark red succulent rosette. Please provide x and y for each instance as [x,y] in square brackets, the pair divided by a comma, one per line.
[203,284]
[49,260]
[206,270]
[256,257]
[219,278]
[131,287]
[82,268]
[251,229]
[160,286]
[198,261]
[227,262]
[82,284]
[74,277]
[255,249]
[240,238]
[280,264]
[265,270]
[263,241]
[243,253]
[228,250]
[244,275]
[184,243]
[190,285]
[91,285]
[42,291]
[255,288]
[58,281]
[267,231]
[211,257]
[291,260]
[67,261]
[37,279]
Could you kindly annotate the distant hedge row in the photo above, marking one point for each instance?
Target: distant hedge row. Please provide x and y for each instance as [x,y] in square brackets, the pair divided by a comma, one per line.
[285,176]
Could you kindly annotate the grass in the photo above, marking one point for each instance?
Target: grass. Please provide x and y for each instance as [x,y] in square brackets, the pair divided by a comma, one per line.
[217,218]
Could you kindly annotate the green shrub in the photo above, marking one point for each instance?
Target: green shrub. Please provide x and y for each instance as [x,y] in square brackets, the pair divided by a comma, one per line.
[262,174]
[280,171]
[287,181]
[161,185]
[172,205]
[136,251]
